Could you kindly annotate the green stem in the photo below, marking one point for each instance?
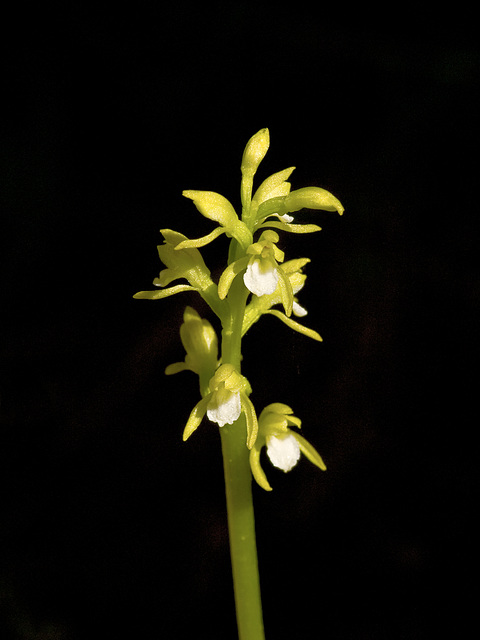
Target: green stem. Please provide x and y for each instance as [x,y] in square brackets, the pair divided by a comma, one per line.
[241,528]
[238,489]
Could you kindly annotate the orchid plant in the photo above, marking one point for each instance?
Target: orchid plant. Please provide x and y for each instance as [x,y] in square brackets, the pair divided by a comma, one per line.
[256,280]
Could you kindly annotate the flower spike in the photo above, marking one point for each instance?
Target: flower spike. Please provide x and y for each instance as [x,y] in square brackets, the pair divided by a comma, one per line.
[256,278]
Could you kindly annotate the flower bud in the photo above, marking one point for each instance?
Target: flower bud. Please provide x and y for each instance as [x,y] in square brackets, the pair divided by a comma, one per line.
[255,151]
[200,342]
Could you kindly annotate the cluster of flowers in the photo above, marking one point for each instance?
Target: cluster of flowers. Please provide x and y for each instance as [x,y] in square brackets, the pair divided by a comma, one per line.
[267,277]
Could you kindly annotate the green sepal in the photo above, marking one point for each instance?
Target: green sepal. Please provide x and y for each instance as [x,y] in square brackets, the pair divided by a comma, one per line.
[306,198]
[291,228]
[213,206]
[312,198]
[295,265]
[286,291]
[196,416]
[183,263]
[309,451]
[163,293]
[278,417]
[296,326]
[250,418]
[269,187]
[241,233]
[270,207]
[200,242]
[176,367]
[229,275]
[254,152]
[277,407]
[257,471]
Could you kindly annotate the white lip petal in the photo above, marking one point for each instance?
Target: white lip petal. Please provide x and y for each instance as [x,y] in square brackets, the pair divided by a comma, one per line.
[225,408]
[284,452]
[260,280]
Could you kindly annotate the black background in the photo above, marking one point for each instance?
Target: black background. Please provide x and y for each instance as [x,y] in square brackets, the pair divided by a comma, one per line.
[110,525]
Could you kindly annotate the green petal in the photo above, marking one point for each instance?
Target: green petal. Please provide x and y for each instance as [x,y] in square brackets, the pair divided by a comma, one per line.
[196,416]
[252,314]
[176,367]
[312,198]
[163,293]
[269,185]
[286,291]
[270,207]
[308,451]
[229,275]
[213,206]
[166,276]
[172,237]
[292,228]
[277,407]
[273,424]
[257,470]
[241,233]
[251,419]
[295,421]
[296,326]
[200,242]
[291,266]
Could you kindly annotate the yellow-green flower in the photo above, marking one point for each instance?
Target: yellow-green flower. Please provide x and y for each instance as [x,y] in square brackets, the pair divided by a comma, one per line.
[262,273]
[261,305]
[186,263]
[226,399]
[284,445]
[201,345]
